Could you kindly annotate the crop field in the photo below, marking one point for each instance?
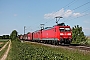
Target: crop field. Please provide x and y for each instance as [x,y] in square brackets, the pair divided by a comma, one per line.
[32,51]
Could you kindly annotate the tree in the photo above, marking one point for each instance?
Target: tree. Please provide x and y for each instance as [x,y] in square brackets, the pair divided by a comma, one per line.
[78,35]
[13,35]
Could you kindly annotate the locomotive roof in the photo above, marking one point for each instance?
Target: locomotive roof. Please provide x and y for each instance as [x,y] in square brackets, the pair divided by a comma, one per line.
[48,27]
[60,24]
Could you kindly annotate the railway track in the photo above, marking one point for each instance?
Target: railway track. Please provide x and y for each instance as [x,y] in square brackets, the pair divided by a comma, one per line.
[84,48]
[72,46]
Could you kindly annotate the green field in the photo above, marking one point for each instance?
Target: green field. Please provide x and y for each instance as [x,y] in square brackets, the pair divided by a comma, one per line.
[2,42]
[31,51]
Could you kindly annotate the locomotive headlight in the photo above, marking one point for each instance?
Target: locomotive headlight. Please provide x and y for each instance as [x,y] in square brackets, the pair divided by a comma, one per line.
[69,33]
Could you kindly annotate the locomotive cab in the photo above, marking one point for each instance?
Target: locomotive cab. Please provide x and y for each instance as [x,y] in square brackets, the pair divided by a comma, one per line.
[65,33]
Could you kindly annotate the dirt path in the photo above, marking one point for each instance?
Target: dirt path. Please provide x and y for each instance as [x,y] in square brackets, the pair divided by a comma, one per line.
[6,53]
[4,46]
[1,42]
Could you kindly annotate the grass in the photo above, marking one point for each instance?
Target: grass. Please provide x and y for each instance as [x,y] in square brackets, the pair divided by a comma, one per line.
[3,51]
[32,51]
[3,41]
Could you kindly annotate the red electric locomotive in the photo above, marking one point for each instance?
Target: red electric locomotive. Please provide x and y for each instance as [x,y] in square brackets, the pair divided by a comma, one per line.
[57,34]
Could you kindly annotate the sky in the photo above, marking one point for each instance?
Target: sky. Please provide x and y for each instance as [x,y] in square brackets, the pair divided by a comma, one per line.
[15,14]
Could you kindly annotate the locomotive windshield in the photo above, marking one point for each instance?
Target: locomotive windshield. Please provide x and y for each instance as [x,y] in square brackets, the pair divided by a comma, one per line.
[67,29]
[64,29]
[61,29]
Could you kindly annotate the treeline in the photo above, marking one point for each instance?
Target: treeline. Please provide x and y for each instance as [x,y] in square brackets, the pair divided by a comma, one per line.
[13,35]
[5,37]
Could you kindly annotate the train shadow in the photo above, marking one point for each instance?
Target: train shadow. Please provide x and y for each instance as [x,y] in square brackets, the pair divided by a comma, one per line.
[75,44]
[70,45]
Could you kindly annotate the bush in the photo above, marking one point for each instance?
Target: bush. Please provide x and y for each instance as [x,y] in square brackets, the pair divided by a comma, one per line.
[13,35]
[78,35]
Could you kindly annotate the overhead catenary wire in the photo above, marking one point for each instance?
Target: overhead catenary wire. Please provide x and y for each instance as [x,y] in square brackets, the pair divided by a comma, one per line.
[79,7]
[86,10]
[75,8]
[67,5]
[78,17]
[84,14]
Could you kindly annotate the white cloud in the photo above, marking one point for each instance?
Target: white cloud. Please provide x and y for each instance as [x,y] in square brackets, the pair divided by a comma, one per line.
[68,13]
[62,13]
[15,14]
[77,14]
[54,14]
